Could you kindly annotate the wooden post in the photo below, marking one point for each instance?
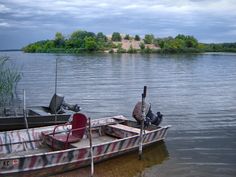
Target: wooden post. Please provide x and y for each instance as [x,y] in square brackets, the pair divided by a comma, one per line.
[26,121]
[24,110]
[142,122]
[91,148]
[55,93]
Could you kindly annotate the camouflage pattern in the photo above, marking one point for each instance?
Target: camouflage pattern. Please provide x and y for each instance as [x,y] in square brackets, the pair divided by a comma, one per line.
[45,163]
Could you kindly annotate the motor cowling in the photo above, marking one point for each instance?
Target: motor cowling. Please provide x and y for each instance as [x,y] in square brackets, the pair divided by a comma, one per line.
[150,117]
[137,112]
[58,104]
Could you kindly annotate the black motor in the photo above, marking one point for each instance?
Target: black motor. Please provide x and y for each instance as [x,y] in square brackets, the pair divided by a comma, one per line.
[58,103]
[150,117]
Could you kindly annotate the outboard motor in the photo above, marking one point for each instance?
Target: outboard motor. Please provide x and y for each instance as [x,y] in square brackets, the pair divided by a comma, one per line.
[72,107]
[150,117]
[57,105]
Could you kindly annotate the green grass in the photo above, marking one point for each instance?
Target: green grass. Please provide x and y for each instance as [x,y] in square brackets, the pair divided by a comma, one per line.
[9,77]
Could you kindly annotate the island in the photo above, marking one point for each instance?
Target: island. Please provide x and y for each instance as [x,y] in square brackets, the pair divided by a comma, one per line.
[84,41]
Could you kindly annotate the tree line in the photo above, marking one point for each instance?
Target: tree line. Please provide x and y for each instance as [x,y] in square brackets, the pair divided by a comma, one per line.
[84,41]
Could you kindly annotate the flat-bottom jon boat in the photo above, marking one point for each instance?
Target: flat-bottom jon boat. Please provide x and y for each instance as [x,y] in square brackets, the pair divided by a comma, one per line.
[18,122]
[48,150]
[58,112]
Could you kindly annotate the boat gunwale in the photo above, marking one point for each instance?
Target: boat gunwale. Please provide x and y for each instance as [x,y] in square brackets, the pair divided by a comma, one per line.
[115,153]
[119,117]
[78,148]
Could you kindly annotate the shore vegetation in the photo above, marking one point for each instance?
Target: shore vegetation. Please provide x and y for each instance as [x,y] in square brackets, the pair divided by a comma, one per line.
[9,77]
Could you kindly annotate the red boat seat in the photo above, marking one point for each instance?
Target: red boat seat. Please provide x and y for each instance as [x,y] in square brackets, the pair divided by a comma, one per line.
[75,134]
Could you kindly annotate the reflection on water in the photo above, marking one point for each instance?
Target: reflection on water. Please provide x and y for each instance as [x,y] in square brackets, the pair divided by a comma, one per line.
[127,165]
[199,153]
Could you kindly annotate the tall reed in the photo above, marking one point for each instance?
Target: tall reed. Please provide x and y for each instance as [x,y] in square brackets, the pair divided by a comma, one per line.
[9,77]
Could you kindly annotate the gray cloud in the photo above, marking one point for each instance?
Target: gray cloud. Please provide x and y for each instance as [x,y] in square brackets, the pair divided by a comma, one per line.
[211,21]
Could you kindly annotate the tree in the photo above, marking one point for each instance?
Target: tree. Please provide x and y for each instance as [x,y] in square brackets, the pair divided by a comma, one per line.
[90,43]
[59,40]
[137,38]
[127,37]
[77,39]
[181,36]
[149,38]
[116,36]
[49,44]
[190,41]
[142,46]
[174,45]
[101,40]
[101,37]
[160,42]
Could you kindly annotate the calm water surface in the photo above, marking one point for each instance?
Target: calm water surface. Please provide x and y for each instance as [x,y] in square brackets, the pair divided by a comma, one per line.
[196,93]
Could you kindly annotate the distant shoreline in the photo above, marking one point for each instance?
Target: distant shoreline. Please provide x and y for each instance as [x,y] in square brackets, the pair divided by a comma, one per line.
[97,52]
[10,50]
[89,42]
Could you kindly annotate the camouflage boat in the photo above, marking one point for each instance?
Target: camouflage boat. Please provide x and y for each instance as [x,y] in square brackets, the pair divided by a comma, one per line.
[54,149]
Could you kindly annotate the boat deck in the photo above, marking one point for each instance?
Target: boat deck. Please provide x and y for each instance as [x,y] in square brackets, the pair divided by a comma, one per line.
[126,128]
[26,152]
[95,141]
[81,144]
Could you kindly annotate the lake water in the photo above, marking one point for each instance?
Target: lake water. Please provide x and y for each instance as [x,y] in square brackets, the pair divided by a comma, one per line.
[196,94]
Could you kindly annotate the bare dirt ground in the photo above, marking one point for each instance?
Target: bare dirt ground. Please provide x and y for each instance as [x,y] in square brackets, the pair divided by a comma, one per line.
[126,44]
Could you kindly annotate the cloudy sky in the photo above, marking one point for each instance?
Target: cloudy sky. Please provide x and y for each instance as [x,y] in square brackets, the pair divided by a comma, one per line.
[26,21]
